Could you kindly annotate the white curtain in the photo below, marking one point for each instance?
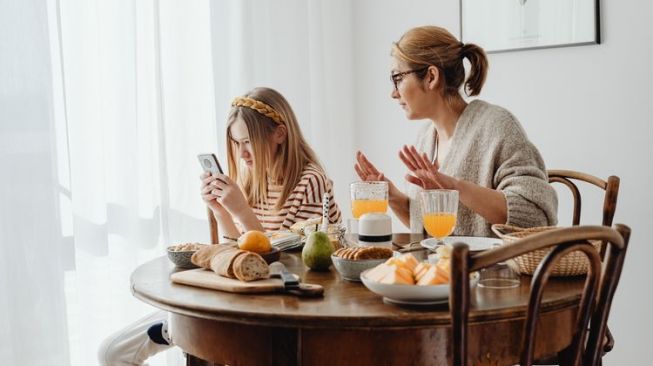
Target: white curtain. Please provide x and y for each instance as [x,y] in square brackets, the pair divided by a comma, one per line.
[104,107]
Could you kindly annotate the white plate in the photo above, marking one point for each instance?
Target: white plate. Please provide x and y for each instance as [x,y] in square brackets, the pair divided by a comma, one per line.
[475,243]
[411,293]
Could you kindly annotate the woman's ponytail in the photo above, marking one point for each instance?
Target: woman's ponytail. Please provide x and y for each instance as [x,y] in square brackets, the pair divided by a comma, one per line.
[478,69]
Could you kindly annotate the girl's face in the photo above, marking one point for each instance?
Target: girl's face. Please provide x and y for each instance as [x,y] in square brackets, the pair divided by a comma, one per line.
[412,93]
[240,136]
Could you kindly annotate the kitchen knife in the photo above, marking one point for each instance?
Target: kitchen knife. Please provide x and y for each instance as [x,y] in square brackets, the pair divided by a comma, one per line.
[291,283]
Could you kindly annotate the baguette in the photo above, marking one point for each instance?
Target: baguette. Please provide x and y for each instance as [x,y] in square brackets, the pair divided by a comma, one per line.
[250,266]
[223,262]
[202,258]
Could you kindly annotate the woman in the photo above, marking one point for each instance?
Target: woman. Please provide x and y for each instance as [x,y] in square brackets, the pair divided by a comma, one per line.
[476,148]
[274,181]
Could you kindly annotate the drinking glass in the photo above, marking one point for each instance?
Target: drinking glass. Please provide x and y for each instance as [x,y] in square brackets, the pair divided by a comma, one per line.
[439,212]
[498,276]
[368,197]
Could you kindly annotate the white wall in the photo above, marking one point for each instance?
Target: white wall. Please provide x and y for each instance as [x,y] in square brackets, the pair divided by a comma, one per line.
[587,108]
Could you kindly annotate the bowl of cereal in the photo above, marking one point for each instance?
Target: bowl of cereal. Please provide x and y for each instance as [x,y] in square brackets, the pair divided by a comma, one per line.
[180,254]
[350,262]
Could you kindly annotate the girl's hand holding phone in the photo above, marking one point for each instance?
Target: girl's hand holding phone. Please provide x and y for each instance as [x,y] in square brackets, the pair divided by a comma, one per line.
[227,194]
[208,197]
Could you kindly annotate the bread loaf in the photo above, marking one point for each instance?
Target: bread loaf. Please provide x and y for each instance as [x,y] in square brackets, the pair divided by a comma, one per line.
[202,258]
[229,261]
[223,262]
[250,266]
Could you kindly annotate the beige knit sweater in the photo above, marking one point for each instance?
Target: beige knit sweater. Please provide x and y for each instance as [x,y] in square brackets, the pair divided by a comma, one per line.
[490,148]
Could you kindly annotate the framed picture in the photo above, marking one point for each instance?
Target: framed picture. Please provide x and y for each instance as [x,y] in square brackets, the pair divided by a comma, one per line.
[506,25]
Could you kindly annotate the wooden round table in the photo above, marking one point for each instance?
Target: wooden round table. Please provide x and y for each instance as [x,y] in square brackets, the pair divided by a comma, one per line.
[350,325]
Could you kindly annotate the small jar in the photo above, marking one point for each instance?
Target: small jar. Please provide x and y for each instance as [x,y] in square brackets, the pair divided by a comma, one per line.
[375,229]
[335,232]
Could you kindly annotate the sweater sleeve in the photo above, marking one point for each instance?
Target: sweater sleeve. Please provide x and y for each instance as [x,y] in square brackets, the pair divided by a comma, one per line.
[521,176]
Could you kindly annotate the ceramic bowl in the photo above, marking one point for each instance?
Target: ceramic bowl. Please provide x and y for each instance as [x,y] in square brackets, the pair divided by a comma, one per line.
[181,258]
[272,256]
[412,294]
[351,269]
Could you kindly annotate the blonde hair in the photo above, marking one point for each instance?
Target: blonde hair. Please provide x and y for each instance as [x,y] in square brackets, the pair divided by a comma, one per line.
[431,45]
[263,110]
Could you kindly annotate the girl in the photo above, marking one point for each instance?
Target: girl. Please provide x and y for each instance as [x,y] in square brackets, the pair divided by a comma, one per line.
[476,148]
[274,181]
[275,178]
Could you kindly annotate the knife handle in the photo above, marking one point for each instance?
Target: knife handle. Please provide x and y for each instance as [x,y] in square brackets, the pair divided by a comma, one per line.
[307,290]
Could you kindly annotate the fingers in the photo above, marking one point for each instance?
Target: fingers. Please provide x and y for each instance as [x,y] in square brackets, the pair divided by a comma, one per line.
[407,159]
[429,180]
[414,180]
[366,165]
[359,171]
[421,160]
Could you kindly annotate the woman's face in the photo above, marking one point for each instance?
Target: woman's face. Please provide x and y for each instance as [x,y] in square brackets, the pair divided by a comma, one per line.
[240,136]
[412,93]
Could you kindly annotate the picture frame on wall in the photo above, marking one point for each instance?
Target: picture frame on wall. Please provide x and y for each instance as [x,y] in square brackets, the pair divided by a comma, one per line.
[508,25]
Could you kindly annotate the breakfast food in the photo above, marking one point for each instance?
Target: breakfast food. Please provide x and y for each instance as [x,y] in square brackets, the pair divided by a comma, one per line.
[254,241]
[406,270]
[232,262]
[298,227]
[186,247]
[360,253]
[250,267]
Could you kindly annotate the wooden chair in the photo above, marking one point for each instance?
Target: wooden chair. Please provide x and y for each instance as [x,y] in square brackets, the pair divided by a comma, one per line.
[611,188]
[594,307]
[213,226]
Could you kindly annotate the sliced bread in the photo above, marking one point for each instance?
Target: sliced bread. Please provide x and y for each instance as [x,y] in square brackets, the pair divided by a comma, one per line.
[202,257]
[223,262]
[250,266]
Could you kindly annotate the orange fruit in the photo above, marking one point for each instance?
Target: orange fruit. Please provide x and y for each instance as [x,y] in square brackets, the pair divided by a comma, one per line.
[254,241]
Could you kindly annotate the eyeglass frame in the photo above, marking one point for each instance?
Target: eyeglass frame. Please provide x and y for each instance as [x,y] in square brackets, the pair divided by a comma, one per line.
[398,77]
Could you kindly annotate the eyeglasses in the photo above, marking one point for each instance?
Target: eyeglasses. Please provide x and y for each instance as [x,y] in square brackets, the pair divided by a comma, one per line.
[398,77]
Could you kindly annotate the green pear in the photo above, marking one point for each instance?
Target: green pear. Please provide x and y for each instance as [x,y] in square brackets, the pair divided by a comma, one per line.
[317,251]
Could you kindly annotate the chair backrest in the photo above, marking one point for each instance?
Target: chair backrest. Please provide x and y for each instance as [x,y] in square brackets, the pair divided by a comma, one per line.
[596,297]
[213,226]
[611,188]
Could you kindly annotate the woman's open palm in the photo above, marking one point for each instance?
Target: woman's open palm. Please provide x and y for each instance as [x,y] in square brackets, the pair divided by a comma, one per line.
[425,173]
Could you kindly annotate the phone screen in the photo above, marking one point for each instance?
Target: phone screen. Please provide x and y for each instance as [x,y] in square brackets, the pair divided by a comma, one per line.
[210,163]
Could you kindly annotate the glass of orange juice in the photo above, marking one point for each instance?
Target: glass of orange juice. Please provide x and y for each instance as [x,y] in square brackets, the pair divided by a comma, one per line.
[368,197]
[439,211]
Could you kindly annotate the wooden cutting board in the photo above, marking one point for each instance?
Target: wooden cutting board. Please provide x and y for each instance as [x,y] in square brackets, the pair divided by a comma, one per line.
[208,279]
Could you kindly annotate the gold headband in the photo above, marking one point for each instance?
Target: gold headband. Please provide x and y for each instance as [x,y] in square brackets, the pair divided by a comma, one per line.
[258,106]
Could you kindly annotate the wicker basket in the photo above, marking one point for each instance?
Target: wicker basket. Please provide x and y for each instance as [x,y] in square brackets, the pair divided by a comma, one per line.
[572,264]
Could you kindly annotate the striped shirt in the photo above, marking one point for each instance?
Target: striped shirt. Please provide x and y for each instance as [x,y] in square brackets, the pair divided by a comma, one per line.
[303,203]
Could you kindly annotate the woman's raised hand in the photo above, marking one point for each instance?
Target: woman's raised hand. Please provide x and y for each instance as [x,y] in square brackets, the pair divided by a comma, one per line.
[366,171]
[425,173]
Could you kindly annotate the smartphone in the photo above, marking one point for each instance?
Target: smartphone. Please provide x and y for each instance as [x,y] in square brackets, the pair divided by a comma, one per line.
[210,163]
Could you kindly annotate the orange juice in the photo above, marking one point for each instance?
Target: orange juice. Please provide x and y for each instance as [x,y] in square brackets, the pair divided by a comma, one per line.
[360,207]
[439,224]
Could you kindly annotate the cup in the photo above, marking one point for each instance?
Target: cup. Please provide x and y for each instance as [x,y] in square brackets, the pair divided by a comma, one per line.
[368,197]
[439,212]
[498,276]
